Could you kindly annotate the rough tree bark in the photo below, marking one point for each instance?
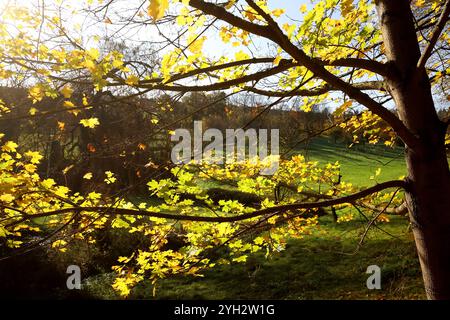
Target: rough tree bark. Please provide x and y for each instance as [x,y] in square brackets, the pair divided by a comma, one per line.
[428,195]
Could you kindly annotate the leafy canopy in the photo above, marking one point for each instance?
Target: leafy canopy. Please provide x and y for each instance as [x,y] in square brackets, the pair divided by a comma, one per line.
[311,56]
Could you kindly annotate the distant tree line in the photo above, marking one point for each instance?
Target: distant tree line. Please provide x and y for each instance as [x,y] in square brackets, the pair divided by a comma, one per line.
[133,136]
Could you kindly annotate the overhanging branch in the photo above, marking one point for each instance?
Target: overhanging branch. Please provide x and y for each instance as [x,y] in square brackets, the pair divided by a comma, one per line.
[312,64]
[368,85]
[277,209]
[220,85]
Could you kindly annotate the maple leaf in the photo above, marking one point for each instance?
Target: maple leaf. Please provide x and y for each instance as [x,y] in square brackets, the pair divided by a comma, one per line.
[67,91]
[157,8]
[90,123]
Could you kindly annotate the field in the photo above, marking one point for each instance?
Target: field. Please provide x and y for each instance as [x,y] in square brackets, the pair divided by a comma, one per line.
[358,163]
[327,264]
[324,265]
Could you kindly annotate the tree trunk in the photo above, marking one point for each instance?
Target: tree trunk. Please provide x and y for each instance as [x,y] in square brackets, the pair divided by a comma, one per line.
[429,207]
[428,196]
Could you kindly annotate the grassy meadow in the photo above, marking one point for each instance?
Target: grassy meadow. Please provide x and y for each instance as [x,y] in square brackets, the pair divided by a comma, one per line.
[328,264]
[359,162]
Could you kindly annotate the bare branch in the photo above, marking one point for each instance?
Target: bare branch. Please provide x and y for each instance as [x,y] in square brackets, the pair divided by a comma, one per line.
[214,68]
[368,85]
[371,65]
[434,38]
[221,85]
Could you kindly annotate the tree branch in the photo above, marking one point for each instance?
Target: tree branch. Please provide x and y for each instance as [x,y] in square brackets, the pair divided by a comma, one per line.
[313,65]
[221,85]
[278,209]
[213,68]
[370,65]
[434,38]
[368,85]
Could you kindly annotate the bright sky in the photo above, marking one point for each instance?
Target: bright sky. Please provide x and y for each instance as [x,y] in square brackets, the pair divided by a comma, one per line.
[213,47]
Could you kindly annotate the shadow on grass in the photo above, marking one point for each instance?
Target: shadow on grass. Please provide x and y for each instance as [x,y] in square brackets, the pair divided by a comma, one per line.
[315,267]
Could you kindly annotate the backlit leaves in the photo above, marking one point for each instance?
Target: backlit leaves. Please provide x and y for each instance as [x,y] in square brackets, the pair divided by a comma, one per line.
[90,123]
[88,176]
[67,91]
[327,30]
[196,44]
[110,177]
[157,8]
[9,146]
[184,194]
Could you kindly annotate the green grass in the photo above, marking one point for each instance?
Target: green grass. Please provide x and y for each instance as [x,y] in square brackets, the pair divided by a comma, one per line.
[324,265]
[358,163]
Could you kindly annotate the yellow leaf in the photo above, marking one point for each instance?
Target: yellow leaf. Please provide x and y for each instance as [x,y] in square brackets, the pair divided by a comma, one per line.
[90,123]
[276,61]
[110,179]
[278,12]
[142,206]
[258,240]
[240,259]
[241,55]
[290,29]
[7,197]
[230,4]
[94,196]
[157,8]
[36,93]
[62,191]
[85,101]
[3,232]
[61,125]
[13,243]
[68,104]
[383,218]
[196,45]
[88,176]
[342,108]
[67,169]
[35,156]
[48,183]
[93,53]
[31,168]
[272,220]
[67,91]
[117,63]
[90,65]
[132,80]
[9,146]
[60,244]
